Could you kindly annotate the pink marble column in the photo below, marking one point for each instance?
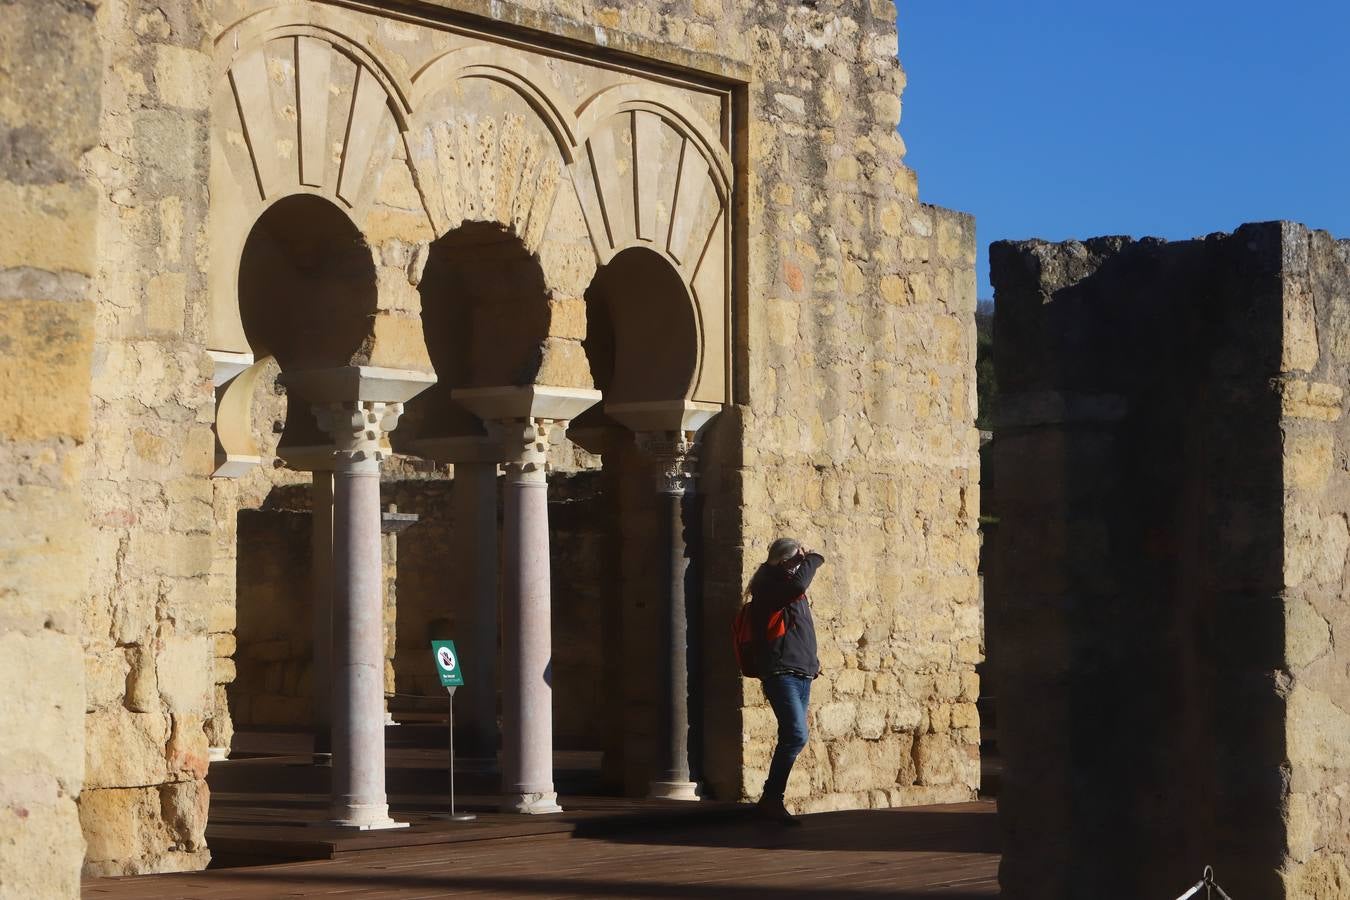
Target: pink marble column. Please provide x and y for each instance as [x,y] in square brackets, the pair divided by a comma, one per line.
[358,797]
[520,419]
[527,641]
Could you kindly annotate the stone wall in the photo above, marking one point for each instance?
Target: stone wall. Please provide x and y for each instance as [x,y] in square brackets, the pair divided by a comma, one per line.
[1315,428]
[1168,564]
[865,447]
[145,620]
[49,75]
[845,304]
[274,631]
[857,360]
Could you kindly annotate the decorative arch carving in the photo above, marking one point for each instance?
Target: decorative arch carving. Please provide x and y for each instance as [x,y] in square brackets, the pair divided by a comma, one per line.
[518,73]
[490,141]
[649,175]
[300,107]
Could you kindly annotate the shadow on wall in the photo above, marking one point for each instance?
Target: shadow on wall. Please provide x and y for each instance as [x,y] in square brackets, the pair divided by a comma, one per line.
[1133,581]
[273,628]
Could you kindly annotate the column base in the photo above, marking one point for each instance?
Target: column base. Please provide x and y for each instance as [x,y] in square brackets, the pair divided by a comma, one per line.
[534,804]
[217,754]
[674,790]
[363,818]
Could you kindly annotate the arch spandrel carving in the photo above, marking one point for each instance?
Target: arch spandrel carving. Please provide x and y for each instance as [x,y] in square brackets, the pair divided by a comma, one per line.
[649,175]
[492,134]
[482,155]
[299,107]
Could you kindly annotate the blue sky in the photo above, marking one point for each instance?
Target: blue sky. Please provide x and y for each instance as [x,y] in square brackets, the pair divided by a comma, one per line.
[1074,118]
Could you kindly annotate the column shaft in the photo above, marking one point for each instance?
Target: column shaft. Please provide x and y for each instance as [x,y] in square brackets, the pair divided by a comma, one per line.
[527,726]
[358,796]
[674,456]
[674,768]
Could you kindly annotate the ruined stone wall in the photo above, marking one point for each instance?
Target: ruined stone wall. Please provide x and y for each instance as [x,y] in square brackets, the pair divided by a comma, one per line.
[50,60]
[1315,426]
[148,654]
[1139,589]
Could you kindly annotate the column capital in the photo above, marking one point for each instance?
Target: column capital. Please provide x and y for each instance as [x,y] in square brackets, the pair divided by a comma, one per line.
[524,445]
[674,456]
[359,429]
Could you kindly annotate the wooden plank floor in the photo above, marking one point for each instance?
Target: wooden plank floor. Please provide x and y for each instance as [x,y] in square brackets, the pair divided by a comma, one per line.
[943,851]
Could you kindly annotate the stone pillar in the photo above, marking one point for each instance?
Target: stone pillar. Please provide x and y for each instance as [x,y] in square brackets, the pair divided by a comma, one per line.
[523,420]
[321,587]
[527,640]
[357,706]
[475,500]
[673,454]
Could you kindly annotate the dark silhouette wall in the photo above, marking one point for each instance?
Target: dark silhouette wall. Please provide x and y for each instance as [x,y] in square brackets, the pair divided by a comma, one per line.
[1143,618]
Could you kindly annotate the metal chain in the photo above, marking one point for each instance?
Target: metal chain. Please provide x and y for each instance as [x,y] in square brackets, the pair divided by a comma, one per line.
[1209,885]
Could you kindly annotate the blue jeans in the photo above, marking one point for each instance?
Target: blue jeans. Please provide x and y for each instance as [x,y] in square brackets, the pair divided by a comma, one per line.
[789,696]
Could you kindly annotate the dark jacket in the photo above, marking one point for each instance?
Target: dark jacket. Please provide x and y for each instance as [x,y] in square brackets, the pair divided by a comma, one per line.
[774,588]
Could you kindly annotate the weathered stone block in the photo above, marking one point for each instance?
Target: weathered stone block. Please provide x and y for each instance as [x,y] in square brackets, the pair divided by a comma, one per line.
[44,372]
[123,748]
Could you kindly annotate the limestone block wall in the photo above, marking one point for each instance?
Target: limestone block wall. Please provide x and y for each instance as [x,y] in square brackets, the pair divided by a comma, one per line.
[1315,427]
[48,253]
[1166,576]
[858,352]
[145,620]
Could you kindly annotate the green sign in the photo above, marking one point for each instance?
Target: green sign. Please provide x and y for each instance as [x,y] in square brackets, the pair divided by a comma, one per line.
[447,663]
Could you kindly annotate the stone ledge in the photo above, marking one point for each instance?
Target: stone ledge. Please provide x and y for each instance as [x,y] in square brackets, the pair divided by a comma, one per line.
[553,30]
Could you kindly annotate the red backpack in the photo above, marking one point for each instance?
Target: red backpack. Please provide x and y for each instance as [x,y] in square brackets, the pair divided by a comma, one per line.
[743,636]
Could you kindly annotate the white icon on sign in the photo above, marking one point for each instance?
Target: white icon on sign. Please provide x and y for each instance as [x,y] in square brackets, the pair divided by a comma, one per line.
[446,659]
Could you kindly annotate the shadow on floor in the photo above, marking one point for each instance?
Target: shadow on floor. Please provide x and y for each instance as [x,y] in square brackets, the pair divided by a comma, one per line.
[552,886]
[971,829]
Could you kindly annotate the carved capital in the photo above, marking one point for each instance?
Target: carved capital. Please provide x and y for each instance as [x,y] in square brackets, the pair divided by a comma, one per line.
[525,444]
[674,457]
[359,430]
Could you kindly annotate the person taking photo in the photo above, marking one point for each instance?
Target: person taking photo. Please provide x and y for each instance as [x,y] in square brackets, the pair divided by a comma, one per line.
[785,648]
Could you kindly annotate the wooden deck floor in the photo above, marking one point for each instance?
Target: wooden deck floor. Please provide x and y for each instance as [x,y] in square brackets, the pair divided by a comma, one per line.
[943,851]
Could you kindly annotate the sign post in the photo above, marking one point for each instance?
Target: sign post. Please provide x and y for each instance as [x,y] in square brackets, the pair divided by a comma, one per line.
[452,676]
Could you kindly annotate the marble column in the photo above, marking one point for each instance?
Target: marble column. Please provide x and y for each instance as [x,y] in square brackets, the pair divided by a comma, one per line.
[522,419]
[321,587]
[527,639]
[673,456]
[357,706]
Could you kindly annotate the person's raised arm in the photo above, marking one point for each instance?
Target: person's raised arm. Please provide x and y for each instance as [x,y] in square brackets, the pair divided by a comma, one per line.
[800,580]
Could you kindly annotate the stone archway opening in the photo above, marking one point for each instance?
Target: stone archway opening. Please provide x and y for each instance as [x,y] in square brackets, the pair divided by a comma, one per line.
[484,306]
[307,297]
[307,285]
[484,317]
[642,334]
[642,343]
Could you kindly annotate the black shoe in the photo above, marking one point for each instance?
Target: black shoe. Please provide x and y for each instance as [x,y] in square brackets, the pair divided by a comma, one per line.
[775,811]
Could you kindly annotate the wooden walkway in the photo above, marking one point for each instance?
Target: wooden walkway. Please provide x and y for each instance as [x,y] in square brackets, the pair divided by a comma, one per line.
[941,852]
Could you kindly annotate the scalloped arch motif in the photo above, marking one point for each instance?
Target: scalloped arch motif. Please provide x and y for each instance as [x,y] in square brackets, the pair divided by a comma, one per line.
[311,112]
[648,177]
[303,108]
